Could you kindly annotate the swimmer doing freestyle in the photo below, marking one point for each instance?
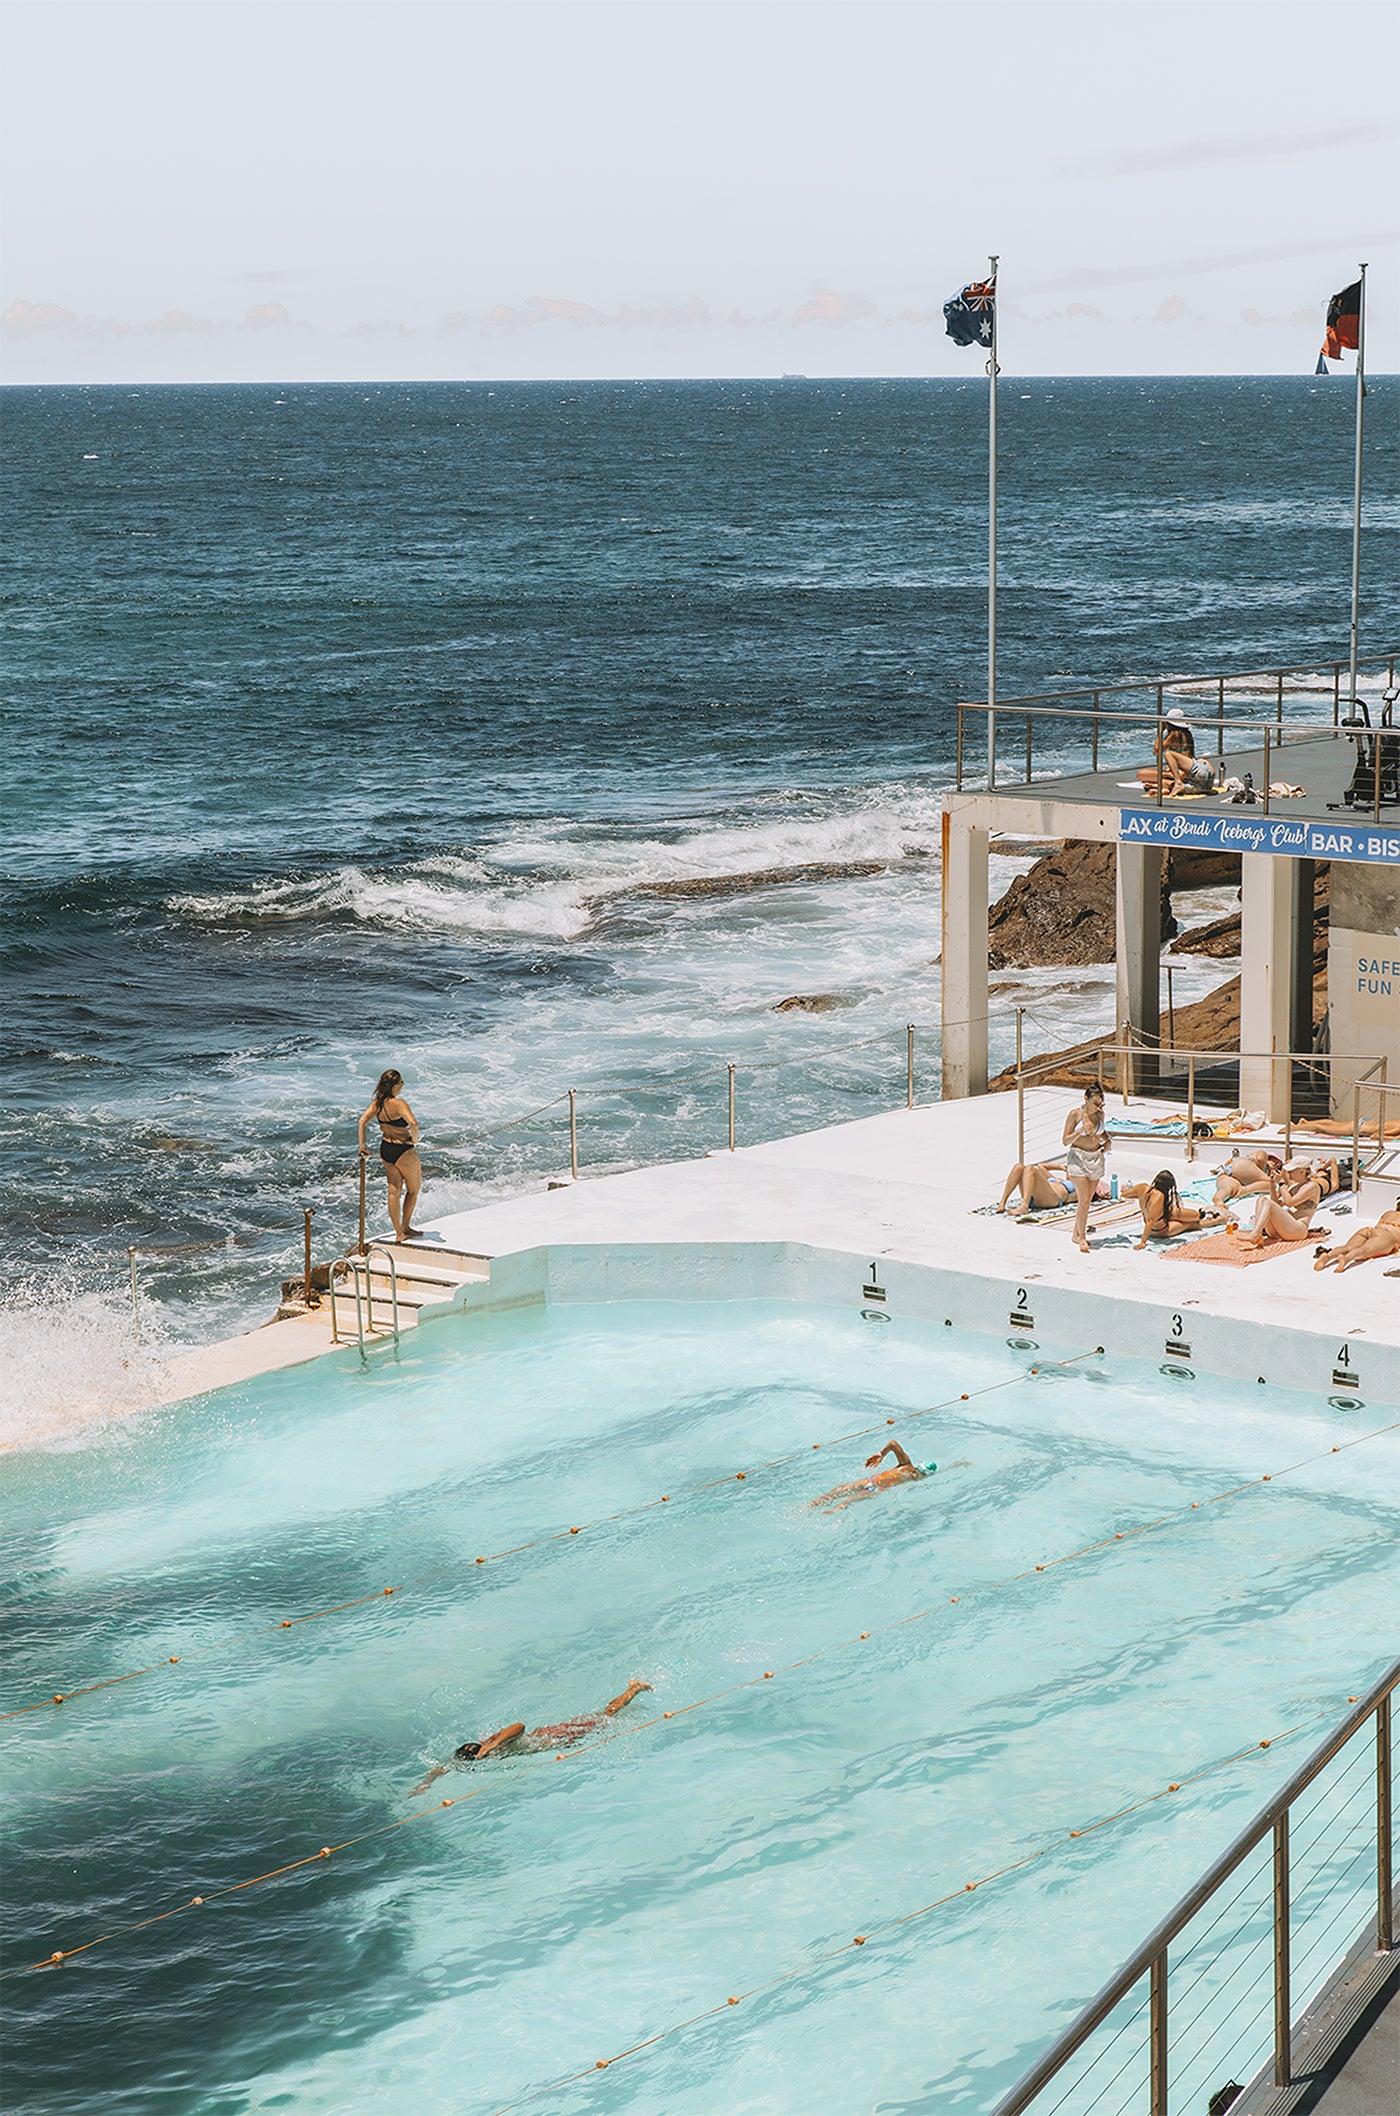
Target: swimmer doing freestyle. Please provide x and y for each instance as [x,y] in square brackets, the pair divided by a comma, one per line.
[904,1472]
[516,1736]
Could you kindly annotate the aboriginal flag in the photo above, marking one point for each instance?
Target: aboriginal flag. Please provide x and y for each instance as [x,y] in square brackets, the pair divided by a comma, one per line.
[1343,323]
[971,315]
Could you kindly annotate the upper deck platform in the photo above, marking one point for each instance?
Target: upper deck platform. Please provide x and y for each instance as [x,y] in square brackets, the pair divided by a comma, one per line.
[1112,805]
[1293,728]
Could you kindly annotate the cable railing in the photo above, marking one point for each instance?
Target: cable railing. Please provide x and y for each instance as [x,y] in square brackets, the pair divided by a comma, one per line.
[1131,1058]
[1317,1903]
[1263,720]
[1127,1063]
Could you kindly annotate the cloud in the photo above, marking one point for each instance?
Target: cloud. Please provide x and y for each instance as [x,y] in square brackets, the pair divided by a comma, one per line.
[34,319]
[827,307]
[266,279]
[1084,308]
[1205,154]
[1172,310]
[175,322]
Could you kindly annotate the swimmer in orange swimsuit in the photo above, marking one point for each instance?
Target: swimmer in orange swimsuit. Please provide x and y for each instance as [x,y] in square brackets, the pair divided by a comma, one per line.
[904,1472]
[562,1736]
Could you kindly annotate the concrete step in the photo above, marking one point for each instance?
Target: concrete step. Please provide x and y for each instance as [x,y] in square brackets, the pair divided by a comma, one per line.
[415,1274]
[379,1316]
[435,1254]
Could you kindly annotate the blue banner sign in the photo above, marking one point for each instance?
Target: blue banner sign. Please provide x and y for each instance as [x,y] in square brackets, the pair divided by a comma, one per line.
[1246,830]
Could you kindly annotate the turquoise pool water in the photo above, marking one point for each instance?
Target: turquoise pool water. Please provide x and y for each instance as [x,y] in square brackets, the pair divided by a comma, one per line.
[487,1951]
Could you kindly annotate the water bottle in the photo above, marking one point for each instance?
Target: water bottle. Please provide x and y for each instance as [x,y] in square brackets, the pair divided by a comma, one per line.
[1113,1186]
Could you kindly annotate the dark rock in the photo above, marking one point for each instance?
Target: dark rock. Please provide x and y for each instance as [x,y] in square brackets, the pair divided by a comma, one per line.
[1201,870]
[761,878]
[1222,935]
[1209,1024]
[811,1003]
[1062,911]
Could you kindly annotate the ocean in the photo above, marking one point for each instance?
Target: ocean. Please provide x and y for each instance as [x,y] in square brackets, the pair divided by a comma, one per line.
[349,726]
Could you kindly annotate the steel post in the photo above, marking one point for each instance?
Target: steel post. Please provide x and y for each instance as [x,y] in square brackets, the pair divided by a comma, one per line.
[1283,1997]
[1020,1097]
[731,1109]
[909,1067]
[1157,2001]
[1385,1849]
[573,1134]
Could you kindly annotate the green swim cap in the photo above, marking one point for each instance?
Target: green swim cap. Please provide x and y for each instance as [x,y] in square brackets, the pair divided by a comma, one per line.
[929,1468]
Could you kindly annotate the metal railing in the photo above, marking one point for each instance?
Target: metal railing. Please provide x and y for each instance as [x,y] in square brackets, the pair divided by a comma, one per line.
[1112,1058]
[1290,1904]
[364,1296]
[1129,1055]
[1311,681]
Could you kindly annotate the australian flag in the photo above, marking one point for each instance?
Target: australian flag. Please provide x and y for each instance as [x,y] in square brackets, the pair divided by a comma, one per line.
[971,315]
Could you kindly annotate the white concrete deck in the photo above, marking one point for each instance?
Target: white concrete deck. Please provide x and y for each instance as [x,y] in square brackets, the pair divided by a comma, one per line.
[807,1217]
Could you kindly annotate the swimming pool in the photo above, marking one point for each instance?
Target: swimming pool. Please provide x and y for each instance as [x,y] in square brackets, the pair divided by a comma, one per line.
[485,1951]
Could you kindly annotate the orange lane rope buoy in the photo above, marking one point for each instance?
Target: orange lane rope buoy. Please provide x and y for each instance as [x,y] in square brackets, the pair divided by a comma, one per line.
[1122,1535]
[423,1814]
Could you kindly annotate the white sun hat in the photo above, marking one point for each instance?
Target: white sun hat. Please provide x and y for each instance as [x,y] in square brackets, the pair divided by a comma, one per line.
[1176,716]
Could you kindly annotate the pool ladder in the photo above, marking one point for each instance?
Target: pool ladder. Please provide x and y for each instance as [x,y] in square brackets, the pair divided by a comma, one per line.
[365,1328]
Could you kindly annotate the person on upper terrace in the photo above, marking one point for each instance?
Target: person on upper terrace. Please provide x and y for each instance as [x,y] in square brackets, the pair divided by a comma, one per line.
[1177,764]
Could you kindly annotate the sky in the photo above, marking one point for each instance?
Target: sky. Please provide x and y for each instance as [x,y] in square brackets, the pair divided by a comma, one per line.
[202,190]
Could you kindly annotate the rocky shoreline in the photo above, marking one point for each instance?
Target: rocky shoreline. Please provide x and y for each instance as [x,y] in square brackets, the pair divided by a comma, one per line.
[1062,911]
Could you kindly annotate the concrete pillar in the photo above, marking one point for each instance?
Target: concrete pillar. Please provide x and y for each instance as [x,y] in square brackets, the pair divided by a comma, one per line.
[1268,915]
[1304,932]
[964,959]
[1363,984]
[1138,895]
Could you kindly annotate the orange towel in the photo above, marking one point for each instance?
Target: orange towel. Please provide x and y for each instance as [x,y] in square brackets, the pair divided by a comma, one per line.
[1227,1248]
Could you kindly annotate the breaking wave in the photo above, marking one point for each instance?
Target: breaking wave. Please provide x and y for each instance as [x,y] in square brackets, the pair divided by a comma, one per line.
[549,882]
[72,1361]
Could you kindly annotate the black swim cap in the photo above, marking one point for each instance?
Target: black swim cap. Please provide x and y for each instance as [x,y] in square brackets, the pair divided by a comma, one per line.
[468,1752]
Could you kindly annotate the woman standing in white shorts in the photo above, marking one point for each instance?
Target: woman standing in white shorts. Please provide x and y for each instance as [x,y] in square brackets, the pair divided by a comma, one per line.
[1087,1142]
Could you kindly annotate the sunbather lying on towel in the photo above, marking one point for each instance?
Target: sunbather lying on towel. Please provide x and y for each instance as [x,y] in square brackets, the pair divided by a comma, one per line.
[1043,1184]
[1341,1128]
[1321,1175]
[1246,1176]
[1163,1212]
[1381,1240]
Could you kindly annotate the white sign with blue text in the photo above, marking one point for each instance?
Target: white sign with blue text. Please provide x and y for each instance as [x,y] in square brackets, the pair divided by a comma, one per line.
[1288,836]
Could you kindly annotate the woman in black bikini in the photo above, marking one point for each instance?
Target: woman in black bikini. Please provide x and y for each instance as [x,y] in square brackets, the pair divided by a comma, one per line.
[398,1150]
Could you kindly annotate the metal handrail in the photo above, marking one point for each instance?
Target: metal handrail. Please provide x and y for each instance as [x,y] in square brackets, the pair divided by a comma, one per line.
[1093,1052]
[1150,1959]
[1053,705]
[1372,662]
[358,1264]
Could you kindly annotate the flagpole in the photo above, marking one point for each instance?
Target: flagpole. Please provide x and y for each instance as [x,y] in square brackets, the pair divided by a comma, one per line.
[1356,496]
[992,372]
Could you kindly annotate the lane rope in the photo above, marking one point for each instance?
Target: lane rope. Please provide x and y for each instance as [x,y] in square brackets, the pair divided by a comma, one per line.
[540,1542]
[564,1535]
[890,1925]
[884,1925]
